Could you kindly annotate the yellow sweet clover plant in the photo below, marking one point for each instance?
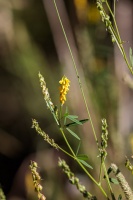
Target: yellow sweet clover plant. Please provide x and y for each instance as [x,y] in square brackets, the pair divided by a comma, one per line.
[65,121]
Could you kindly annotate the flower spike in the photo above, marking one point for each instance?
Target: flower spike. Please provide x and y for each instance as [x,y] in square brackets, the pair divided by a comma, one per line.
[64,88]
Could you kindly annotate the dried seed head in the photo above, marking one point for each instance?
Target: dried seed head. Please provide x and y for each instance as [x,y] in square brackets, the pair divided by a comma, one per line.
[64,88]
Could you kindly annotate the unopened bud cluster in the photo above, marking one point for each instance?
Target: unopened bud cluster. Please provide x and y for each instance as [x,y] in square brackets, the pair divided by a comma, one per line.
[36,180]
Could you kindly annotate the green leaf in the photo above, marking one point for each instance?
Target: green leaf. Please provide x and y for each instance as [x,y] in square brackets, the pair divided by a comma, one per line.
[66,112]
[78,148]
[85,163]
[65,115]
[131,56]
[82,157]
[74,134]
[82,121]
[113,180]
[64,120]
[73,119]
[72,116]
[71,124]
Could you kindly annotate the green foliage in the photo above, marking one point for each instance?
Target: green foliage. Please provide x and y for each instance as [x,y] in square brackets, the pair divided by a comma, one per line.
[80,122]
[65,121]
[114,181]
[72,133]
[73,118]
[82,156]
[85,163]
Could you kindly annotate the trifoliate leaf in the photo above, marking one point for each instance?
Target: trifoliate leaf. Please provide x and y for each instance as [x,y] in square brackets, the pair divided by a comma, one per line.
[71,124]
[72,133]
[85,163]
[80,122]
[84,120]
[82,157]
[72,116]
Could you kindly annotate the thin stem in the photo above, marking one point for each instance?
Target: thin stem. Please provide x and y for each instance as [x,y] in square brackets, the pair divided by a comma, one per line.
[107,178]
[120,46]
[100,174]
[118,38]
[61,129]
[114,7]
[75,67]
[112,14]
[100,187]
[114,33]
[60,114]
[84,169]
[66,152]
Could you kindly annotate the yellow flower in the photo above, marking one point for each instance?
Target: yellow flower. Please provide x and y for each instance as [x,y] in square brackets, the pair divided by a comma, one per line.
[64,88]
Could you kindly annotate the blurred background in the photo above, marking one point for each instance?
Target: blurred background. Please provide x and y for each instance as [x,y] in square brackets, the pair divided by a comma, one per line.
[31,40]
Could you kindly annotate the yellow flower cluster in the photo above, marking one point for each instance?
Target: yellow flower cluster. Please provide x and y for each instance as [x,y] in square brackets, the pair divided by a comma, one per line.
[64,87]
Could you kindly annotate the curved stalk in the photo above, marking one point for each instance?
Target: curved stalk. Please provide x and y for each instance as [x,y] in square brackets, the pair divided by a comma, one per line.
[112,14]
[76,70]
[107,178]
[117,37]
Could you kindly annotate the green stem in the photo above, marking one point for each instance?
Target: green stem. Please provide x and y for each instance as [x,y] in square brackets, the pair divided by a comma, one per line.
[99,185]
[61,130]
[60,114]
[114,7]
[118,38]
[75,67]
[112,31]
[112,14]
[66,152]
[100,174]
[109,185]
[121,48]
[84,169]
[107,178]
